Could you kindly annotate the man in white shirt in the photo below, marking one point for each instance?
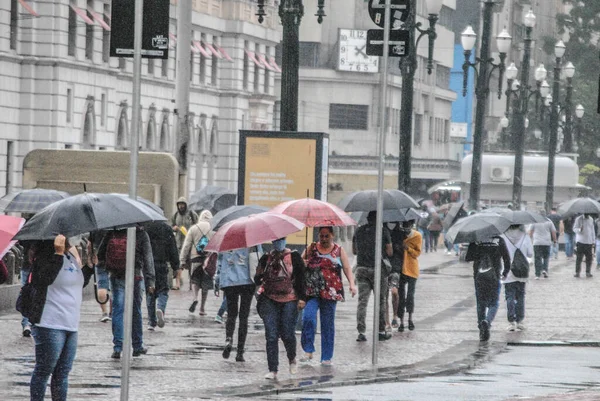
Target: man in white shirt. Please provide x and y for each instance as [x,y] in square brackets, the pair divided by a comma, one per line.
[543,236]
[585,237]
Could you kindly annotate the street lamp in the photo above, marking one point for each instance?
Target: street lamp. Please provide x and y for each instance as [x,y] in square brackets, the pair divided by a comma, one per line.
[408,65]
[503,42]
[291,13]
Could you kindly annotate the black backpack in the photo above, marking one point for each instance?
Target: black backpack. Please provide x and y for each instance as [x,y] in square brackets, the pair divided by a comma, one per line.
[486,276]
[520,265]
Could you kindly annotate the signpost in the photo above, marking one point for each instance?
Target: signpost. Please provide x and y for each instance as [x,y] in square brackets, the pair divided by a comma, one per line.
[398,46]
[399,8]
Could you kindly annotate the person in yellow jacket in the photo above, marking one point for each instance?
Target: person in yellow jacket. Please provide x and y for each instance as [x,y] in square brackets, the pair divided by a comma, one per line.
[410,274]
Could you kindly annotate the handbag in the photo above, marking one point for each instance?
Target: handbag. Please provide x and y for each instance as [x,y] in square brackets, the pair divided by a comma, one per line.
[25,299]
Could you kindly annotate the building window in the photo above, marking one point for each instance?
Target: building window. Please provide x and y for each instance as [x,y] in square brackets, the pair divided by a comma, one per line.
[122,63]
[151,66]
[431,128]
[192,66]
[14,24]
[309,54]
[202,62]
[164,68]
[214,77]
[72,34]
[106,35]
[267,83]
[69,105]
[122,128]
[89,125]
[442,77]
[246,76]
[151,131]
[256,71]
[446,18]
[102,109]
[446,131]
[418,129]
[349,116]
[164,132]
[89,33]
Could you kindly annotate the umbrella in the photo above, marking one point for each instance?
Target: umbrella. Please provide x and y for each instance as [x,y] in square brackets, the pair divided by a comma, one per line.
[234,212]
[146,202]
[315,213]
[84,213]
[519,216]
[477,228]
[579,206]
[249,231]
[213,198]
[30,200]
[389,216]
[9,226]
[456,212]
[365,201]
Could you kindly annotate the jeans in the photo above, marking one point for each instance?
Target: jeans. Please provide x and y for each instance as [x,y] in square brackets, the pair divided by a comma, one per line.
[54,355]
[542,257]
[309,326]
[223,306]
[155,301]
[584,250]
[426,241]
[239,299]
[487,304]
[406,300]
[598,251]
[279,319]
[118,311]
[24,278]
[365,277]
[434,239]
[515,301]
[554,249]
[569,244]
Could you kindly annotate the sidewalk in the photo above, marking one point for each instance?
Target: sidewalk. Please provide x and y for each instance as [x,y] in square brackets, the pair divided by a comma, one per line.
[185,362]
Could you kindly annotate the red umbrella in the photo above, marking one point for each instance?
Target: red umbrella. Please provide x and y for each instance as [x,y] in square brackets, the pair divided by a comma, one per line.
[315,213]
[253,230]
[9,226]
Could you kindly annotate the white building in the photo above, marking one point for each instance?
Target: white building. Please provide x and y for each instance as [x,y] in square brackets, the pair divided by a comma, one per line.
[59,89]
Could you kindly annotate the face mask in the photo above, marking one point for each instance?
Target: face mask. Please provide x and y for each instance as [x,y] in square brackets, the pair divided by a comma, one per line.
[279,245]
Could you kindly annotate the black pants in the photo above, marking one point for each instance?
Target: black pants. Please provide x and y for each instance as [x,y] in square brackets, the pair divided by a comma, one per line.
[584,249]
[239,299]
[406,298]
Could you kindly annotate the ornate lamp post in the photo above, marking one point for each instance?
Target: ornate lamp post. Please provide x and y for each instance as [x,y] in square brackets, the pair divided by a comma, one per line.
[503,41]
[409,68]
[291,13]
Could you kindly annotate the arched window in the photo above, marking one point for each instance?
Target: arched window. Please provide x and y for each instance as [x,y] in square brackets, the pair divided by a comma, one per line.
[151,129]
[164,132]
[89,125]
[122,127]
[201,171]
[212,149]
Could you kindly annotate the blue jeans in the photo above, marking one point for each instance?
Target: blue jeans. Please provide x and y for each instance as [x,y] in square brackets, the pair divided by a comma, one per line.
[569,244]
[542,257]
[118,305]
[426,241]
[598,251]
[309,326]
[487,304]
[279,319]
[155,301]
[223,306]
[24,278]
[515,301]
[54,355]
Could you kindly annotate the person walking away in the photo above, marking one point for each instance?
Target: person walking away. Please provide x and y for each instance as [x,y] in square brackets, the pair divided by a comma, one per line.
[490,262]
[324,288]
[164,253]
[181,221]
[398,236]
[281,293]
[410,274]
[112,255]
[235,276]
[363,246]
[435,228]
[597,227]
[519,248]
[58,277]
[422,224]
[192,253]
[28,253]
[585,238]
[555,218]
[544,238]
[569,237]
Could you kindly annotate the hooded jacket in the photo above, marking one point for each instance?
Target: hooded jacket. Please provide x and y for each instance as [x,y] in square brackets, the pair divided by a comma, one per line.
[202,227]
[413,250]
[185,219]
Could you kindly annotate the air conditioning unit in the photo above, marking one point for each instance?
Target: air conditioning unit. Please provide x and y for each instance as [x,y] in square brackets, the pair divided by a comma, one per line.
[500,174]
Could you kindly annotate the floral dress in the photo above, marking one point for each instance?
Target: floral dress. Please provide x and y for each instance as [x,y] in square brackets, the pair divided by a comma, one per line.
[323,274]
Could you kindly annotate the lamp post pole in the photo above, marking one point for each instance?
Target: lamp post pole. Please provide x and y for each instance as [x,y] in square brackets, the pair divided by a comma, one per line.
[568,144]
[559,50]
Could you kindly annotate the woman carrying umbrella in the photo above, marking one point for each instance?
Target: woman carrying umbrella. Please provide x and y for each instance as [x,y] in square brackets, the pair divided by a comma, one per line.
[325,262]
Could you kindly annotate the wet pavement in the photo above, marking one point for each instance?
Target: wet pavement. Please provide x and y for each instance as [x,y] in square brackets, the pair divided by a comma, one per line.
[185,363]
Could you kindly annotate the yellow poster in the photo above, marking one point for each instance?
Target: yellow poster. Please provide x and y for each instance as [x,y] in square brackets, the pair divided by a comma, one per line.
[279,170]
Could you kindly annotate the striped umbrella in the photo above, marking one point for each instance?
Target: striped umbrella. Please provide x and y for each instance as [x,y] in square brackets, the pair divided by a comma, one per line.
[30,200]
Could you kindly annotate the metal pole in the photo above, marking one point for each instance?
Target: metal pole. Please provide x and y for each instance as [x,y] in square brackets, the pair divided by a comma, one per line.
[381,150]
[519,123]
[569,117]
[133,166]
[291,12]
[481,92]
[552,143]
[406,105]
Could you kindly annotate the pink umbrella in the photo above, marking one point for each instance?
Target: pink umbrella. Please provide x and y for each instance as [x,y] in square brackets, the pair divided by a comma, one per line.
[9,226]
[315,213]
[249,231]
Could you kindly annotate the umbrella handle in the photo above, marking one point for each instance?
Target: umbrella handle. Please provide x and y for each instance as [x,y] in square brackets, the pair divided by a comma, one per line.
[96,290]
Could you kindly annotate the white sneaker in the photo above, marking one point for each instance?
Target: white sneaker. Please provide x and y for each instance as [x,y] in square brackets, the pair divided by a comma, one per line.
[271,376]
[520,326]
[150,328]
[512,326]
[293,367]
[160,318]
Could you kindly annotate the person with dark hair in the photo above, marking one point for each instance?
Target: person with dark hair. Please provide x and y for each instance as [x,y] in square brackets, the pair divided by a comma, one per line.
[569,236]
[519,247]
[398,236]
[410,274]
[555,218]
[585,237]
[544,237]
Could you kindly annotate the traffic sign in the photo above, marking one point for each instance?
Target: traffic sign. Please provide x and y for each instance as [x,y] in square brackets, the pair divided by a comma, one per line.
[398,46]
[400,10]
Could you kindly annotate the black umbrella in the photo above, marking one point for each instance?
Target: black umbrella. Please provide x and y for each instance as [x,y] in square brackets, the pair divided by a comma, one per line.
[456,212]
[519,216]
[365,201]
[477,228]
[579,206]
[389,216]
[30,200]
[84,213]
[234,212]
[213,198]
[146,202]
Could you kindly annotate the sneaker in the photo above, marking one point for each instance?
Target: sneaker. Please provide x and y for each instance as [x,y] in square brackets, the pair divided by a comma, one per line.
[484,330]
[394,324]
[545,274]
[411,325]
[589,275]
[227,349]
[326,363]
[537,277]
[104,318]
[401,327]
[141,351]
[240,357]
[271,376]
[160,318]
[307,357]
[116,355]
[27,331]
[193,306]
[361,337]
[293,367]
[520,326]
[151,328]
[219,319]
[512,326]
[576,275]
[383,336]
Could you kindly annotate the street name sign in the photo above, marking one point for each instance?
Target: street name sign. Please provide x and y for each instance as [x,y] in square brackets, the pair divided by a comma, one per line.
[398,46]
[400,10]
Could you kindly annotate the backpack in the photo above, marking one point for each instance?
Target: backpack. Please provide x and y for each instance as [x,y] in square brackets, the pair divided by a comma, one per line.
[520,265]
[486,277]
[277,279]
[25,299]
[116,252]
[202,242]
[210,265]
